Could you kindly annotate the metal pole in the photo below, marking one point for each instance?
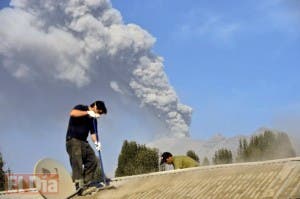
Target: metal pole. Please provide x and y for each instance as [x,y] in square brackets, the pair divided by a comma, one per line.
[99,153]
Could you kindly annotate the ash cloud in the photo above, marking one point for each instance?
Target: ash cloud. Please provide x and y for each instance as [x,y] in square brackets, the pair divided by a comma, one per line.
[71,46]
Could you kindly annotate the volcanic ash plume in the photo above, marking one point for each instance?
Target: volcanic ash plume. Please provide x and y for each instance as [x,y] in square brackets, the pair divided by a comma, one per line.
[85,41]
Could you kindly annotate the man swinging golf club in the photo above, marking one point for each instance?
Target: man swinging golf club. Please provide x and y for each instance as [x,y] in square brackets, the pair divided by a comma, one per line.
[83,120]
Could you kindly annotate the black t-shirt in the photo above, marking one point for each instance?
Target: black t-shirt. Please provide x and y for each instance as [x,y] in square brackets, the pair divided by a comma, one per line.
[79,127]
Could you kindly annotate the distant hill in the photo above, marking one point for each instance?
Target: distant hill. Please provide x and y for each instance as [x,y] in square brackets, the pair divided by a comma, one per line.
[179,146]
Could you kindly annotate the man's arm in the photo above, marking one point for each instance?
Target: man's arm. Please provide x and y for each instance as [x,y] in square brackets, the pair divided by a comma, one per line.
[78,113]
[94,138]
[96,142]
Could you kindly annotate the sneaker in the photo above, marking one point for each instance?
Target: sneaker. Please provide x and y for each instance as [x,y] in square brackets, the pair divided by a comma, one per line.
[101,184]
[88,190]
[79,186]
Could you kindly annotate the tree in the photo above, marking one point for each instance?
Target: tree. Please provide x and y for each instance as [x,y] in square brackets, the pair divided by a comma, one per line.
[146,160]
[265,146]
[126,158]
[205,161]
[284,148]
[193,155]
[136,159]
[222,156]
[2,174]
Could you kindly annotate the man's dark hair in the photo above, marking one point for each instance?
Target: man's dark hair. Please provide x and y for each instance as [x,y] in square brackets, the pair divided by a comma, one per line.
[165,156]
[100,106]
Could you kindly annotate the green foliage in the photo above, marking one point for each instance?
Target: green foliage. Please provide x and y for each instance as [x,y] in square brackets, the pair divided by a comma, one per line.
[205,162]
[222,156]
[265,146]
[193,155]
[2,174]
[136,159]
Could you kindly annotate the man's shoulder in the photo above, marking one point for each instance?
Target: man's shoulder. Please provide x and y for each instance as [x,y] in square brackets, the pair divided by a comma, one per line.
[186,161]
[179,156]
[183,157]
[81,107]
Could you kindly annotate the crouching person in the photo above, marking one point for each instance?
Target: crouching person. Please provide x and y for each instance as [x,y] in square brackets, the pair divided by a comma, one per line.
[170,162]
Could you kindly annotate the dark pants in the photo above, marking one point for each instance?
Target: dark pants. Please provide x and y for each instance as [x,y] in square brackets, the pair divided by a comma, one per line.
[81,154]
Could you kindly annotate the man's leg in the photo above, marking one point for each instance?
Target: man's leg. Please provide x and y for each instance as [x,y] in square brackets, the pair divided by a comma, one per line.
[75,154]
[90,164]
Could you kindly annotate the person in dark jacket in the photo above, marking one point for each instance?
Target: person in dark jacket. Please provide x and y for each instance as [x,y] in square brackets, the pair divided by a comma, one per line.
[82,122]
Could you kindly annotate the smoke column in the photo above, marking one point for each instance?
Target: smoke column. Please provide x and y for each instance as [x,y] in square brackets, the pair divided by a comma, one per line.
[84,43]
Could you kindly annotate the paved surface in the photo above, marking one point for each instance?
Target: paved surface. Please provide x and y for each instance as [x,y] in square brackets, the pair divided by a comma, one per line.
[269,179]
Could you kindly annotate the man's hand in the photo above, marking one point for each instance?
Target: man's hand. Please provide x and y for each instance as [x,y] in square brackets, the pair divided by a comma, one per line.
[93,114]
[98,146]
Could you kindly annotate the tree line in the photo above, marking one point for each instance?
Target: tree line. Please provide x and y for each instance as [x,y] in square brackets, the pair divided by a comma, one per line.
[265,146]
[138,159]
